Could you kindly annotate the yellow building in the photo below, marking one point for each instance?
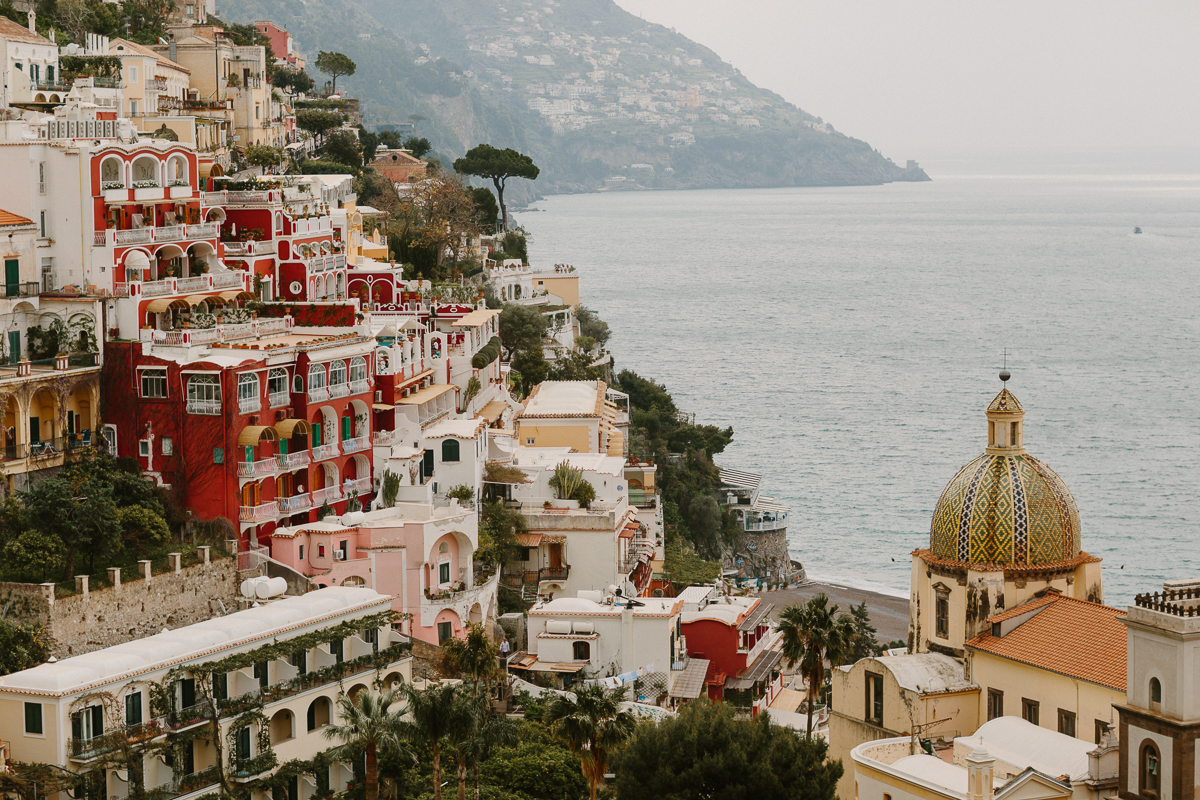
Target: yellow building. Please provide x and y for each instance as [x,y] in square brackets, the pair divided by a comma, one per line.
[575,414]
[560,284]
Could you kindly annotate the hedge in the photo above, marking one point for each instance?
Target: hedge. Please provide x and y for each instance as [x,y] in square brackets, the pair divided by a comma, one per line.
[487,354]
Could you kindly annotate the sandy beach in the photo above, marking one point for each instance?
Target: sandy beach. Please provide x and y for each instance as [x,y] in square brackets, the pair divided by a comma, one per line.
[889,614]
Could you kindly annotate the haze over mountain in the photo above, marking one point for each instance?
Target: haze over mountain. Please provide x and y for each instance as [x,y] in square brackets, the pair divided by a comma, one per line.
[598,97]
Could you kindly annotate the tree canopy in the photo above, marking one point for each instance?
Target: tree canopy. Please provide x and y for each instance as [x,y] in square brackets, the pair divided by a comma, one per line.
[521,328]
[335,65]
[485,161]
[706,752]
[317,121]
[294,80]
[419,146]
[343,147]
[263,155]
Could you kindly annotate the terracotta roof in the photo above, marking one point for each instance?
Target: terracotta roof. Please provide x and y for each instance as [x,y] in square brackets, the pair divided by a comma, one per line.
[1009,569]
[1025,608]
[16,32]
[133,48]
[9,218]
[1071,637]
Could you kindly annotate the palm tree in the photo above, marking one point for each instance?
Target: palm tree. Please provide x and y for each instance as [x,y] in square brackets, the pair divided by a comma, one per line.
[492,731]
[474,657]
[439,716]
[370,728]
[811,636]
[592,725]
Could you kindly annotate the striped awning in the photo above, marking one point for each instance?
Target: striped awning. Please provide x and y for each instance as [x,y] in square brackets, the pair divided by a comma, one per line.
[287,427]
[165,304]
[253,434]
[194,300]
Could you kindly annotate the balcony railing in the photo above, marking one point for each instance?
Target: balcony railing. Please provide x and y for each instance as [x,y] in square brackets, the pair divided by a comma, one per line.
[355,445]
[290,461]
[361,485]
[211,407]
[249,405]
[86,749]
[384,438]
[278,399]
[225,280]
[359,387]
[299,502]
[23,289]
[257,513]
[191,715]
[221,333]
[337,390]
[325,451]
[165,233]
[156,84]
[185,784]
[252,469]
[554,573]
[317,394]
[330,494]
[241,770]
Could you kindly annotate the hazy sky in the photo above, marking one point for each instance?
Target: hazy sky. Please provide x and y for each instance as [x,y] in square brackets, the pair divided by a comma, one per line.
[913,78]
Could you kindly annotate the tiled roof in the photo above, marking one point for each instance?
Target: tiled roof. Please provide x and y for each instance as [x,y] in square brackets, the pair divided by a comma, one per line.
[1071,637]
[16,32]
[133,48]
[9,218]
[1025,608]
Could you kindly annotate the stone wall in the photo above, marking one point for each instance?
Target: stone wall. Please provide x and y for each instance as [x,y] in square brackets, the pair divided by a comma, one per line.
[131,609]
[761,553]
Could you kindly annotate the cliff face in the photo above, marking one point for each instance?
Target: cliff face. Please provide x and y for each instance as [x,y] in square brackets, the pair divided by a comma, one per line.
[599,98]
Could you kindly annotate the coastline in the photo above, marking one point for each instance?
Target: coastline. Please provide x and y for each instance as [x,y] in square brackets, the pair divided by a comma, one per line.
[889,614]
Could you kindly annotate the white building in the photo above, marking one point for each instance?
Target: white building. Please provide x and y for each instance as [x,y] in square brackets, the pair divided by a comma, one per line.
[30,64]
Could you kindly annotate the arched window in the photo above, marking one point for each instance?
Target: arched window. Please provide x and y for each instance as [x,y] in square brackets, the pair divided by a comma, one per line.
[337,373]
[298,385]
[1155,691]
[449,450]
[145,171]
[279,222]
[316,376]
[318,713]
[248,395]
[582,651]
[1150,768]
[111,172]
[277,387]
[203,395]
[358,369]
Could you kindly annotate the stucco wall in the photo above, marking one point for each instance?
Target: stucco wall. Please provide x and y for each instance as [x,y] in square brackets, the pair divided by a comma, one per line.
[105,617]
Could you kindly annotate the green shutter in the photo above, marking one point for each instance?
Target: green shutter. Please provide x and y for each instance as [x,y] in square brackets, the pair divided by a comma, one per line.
[345,428]
[316,435]
[12,277]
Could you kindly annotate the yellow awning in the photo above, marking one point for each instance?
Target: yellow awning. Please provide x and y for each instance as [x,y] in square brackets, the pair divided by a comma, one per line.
[426,394]
[194,300]
[236,294]
[286,428]
[492,411]
[165,304]
[476,318]
[253,434]
[382,407]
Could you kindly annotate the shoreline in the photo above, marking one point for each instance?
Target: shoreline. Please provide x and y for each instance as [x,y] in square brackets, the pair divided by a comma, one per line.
[889,614]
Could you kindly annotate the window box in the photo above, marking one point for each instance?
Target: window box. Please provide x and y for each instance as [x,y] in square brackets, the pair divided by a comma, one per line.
[181,191]
[155,193]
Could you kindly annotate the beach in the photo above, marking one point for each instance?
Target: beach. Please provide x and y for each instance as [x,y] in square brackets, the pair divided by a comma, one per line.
[889,614]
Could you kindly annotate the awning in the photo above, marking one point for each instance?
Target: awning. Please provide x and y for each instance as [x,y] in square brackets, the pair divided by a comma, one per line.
[492,411]
[382,407]
[757,616]
[688,682]
[759,671]
[165,304]
[554,539]
[629,530]
[253,434]
[426,394]
[530,663]
[236,294]
[528,539]
[287,427]
[194,300]
[476,318]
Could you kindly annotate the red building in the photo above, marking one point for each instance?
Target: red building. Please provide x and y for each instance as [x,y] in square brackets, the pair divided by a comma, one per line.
[734,635]
[260,423]
[281,44]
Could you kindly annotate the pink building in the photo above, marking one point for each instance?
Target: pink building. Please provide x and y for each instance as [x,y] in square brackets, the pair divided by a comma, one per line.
[421,554]
[281,45]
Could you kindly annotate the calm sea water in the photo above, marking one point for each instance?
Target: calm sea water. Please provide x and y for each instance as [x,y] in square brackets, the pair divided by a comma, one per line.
[852,336]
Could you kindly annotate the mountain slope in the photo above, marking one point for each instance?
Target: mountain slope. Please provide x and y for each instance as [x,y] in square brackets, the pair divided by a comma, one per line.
[600,98]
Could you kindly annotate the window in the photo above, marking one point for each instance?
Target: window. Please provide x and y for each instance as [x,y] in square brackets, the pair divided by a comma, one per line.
[133,108]
[358,369]
[1101,729]
[248,399]
[316,377]
[154,383]
[220,684]
[168,445]
[1030,710]
[581,651]
[187,692]
[144,448]
[942,614]
[320,551]
[242,752]
[298,384]
[529,441]
[301,558]
[262,673]
[1066,723]
[445,631]
[133,74]
[299,659]
[344,549]
[444,572]
[203,395]
[133,708]
[41,177]
[337,373]
[277,387]
[33,718]
[335,649]
[1155,691]
[42,225]
[995,703]
[1150,767]
[87,723]
[450,450]
[874,698]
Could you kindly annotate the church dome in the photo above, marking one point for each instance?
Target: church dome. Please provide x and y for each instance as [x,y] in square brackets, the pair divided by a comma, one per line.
[1006,507]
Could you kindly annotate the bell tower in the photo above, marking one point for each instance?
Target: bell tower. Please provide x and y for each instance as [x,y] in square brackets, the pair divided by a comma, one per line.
[1006,422]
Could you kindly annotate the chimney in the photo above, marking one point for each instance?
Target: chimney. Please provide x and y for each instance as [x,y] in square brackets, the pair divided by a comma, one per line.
[172,56]
[979,774]
[32,21]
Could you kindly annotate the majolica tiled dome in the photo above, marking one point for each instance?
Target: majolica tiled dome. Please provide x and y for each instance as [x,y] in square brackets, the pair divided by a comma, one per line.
[1006,507]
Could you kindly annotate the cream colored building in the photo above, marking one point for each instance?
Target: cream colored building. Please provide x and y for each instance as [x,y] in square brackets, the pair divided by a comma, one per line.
[574,414]
[559,284]
[153,84]
[110,713]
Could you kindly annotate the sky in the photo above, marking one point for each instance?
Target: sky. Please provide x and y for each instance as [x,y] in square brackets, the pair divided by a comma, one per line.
[918,78]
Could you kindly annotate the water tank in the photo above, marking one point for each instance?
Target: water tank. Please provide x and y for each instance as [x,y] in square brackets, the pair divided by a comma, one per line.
[250,587]
[270,587]
[583,627]
[558,626]
[588,594]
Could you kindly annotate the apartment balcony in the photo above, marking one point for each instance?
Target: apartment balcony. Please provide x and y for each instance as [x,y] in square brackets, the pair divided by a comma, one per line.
[208,407]
[291,505]
[258,513]
[290,461]
[385,438]
[251,768]
[166,287]
[330,494]
[156,84]
[356,445]
[278,399]
[339,390]
[459,600]
[23,289]
[554,573]
[185,784]
[231,198]
[361,485]
[325,452]
[221,333]
[256,469]
[88,749]
[249,405]
[359,387]
[251,248]
[161,233]
[317,394]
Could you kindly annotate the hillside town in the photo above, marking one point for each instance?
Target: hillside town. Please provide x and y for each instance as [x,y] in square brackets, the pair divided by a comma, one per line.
[274,504]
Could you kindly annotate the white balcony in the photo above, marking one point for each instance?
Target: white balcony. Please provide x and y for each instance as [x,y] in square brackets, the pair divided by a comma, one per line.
[290,461]
[385,438]
[359,387]
[317,394]
[249,405]
[290,505]
[325,452]
[337,390]
[278,399]
[360,485]
[356,445]
[257,513]
[210,407]
[330,494]
[225,280]
[254,469]
[196,284]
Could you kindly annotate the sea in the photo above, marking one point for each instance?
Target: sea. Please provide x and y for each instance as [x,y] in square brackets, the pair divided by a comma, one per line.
[853,336]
